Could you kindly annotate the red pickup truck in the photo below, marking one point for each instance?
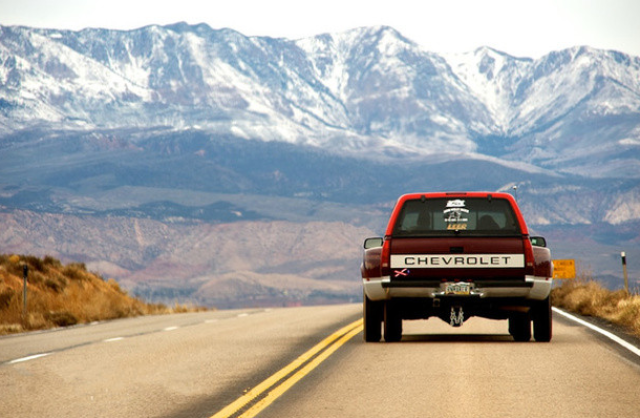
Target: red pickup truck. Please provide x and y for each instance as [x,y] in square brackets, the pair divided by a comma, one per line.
[454,256]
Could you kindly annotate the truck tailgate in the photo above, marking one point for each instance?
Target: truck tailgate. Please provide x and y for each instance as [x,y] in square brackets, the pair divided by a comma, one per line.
[458,258]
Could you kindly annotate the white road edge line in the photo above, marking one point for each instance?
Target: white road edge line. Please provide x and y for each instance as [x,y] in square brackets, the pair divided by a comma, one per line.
[635,350]
[23,359]
[110,340]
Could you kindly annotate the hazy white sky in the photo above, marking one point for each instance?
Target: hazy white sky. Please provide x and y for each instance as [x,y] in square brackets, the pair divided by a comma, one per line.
[524,28]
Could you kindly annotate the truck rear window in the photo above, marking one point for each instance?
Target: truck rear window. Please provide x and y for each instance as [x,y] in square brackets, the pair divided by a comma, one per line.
[474,216]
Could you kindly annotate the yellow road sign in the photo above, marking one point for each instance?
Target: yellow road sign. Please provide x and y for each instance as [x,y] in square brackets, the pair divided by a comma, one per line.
[564,269]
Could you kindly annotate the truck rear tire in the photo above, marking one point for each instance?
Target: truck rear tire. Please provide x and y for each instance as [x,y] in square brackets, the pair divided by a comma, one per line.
[542,321]
[392,323]
[520,327]
[373,313]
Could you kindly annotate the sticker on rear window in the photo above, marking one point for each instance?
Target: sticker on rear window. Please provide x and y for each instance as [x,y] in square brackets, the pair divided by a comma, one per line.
[455,214]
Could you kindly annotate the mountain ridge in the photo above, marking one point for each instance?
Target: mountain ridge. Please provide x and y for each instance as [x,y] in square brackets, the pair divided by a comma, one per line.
[365,89]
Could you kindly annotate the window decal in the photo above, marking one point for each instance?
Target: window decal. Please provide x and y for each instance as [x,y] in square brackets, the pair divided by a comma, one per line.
[455,212]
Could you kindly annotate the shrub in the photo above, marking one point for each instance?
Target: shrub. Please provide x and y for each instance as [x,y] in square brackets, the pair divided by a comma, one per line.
[36,278]
[61,319]
[75,271]
[589,298]
[6,295]
[52,262]
[57,284]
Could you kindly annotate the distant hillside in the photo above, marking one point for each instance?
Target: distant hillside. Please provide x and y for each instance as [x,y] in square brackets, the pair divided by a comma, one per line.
[250,263]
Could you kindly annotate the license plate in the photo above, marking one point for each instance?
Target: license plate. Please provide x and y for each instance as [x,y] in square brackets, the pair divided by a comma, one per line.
[458,289]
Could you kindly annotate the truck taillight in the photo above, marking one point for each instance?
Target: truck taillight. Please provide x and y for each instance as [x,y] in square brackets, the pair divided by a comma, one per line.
[529,260]
[385,257]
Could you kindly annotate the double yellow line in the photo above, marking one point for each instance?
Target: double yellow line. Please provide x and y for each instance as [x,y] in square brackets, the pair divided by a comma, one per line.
[296,370]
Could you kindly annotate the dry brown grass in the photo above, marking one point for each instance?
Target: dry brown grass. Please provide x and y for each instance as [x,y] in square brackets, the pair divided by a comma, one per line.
[63,295]
[587,297]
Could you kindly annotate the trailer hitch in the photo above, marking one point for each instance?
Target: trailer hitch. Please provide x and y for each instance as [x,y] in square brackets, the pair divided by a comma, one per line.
[457,316]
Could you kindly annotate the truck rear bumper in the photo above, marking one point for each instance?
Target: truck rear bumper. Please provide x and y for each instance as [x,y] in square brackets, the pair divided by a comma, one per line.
[383,288]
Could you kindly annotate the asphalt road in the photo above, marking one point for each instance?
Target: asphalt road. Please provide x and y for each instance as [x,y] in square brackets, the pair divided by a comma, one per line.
[194,365]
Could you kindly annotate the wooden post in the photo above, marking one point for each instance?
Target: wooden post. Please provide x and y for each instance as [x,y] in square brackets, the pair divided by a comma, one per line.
[25,274]
[624,271]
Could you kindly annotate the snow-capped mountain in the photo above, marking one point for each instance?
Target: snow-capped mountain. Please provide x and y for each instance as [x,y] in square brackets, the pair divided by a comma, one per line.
[369,91]
[366,88]
[571,109]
